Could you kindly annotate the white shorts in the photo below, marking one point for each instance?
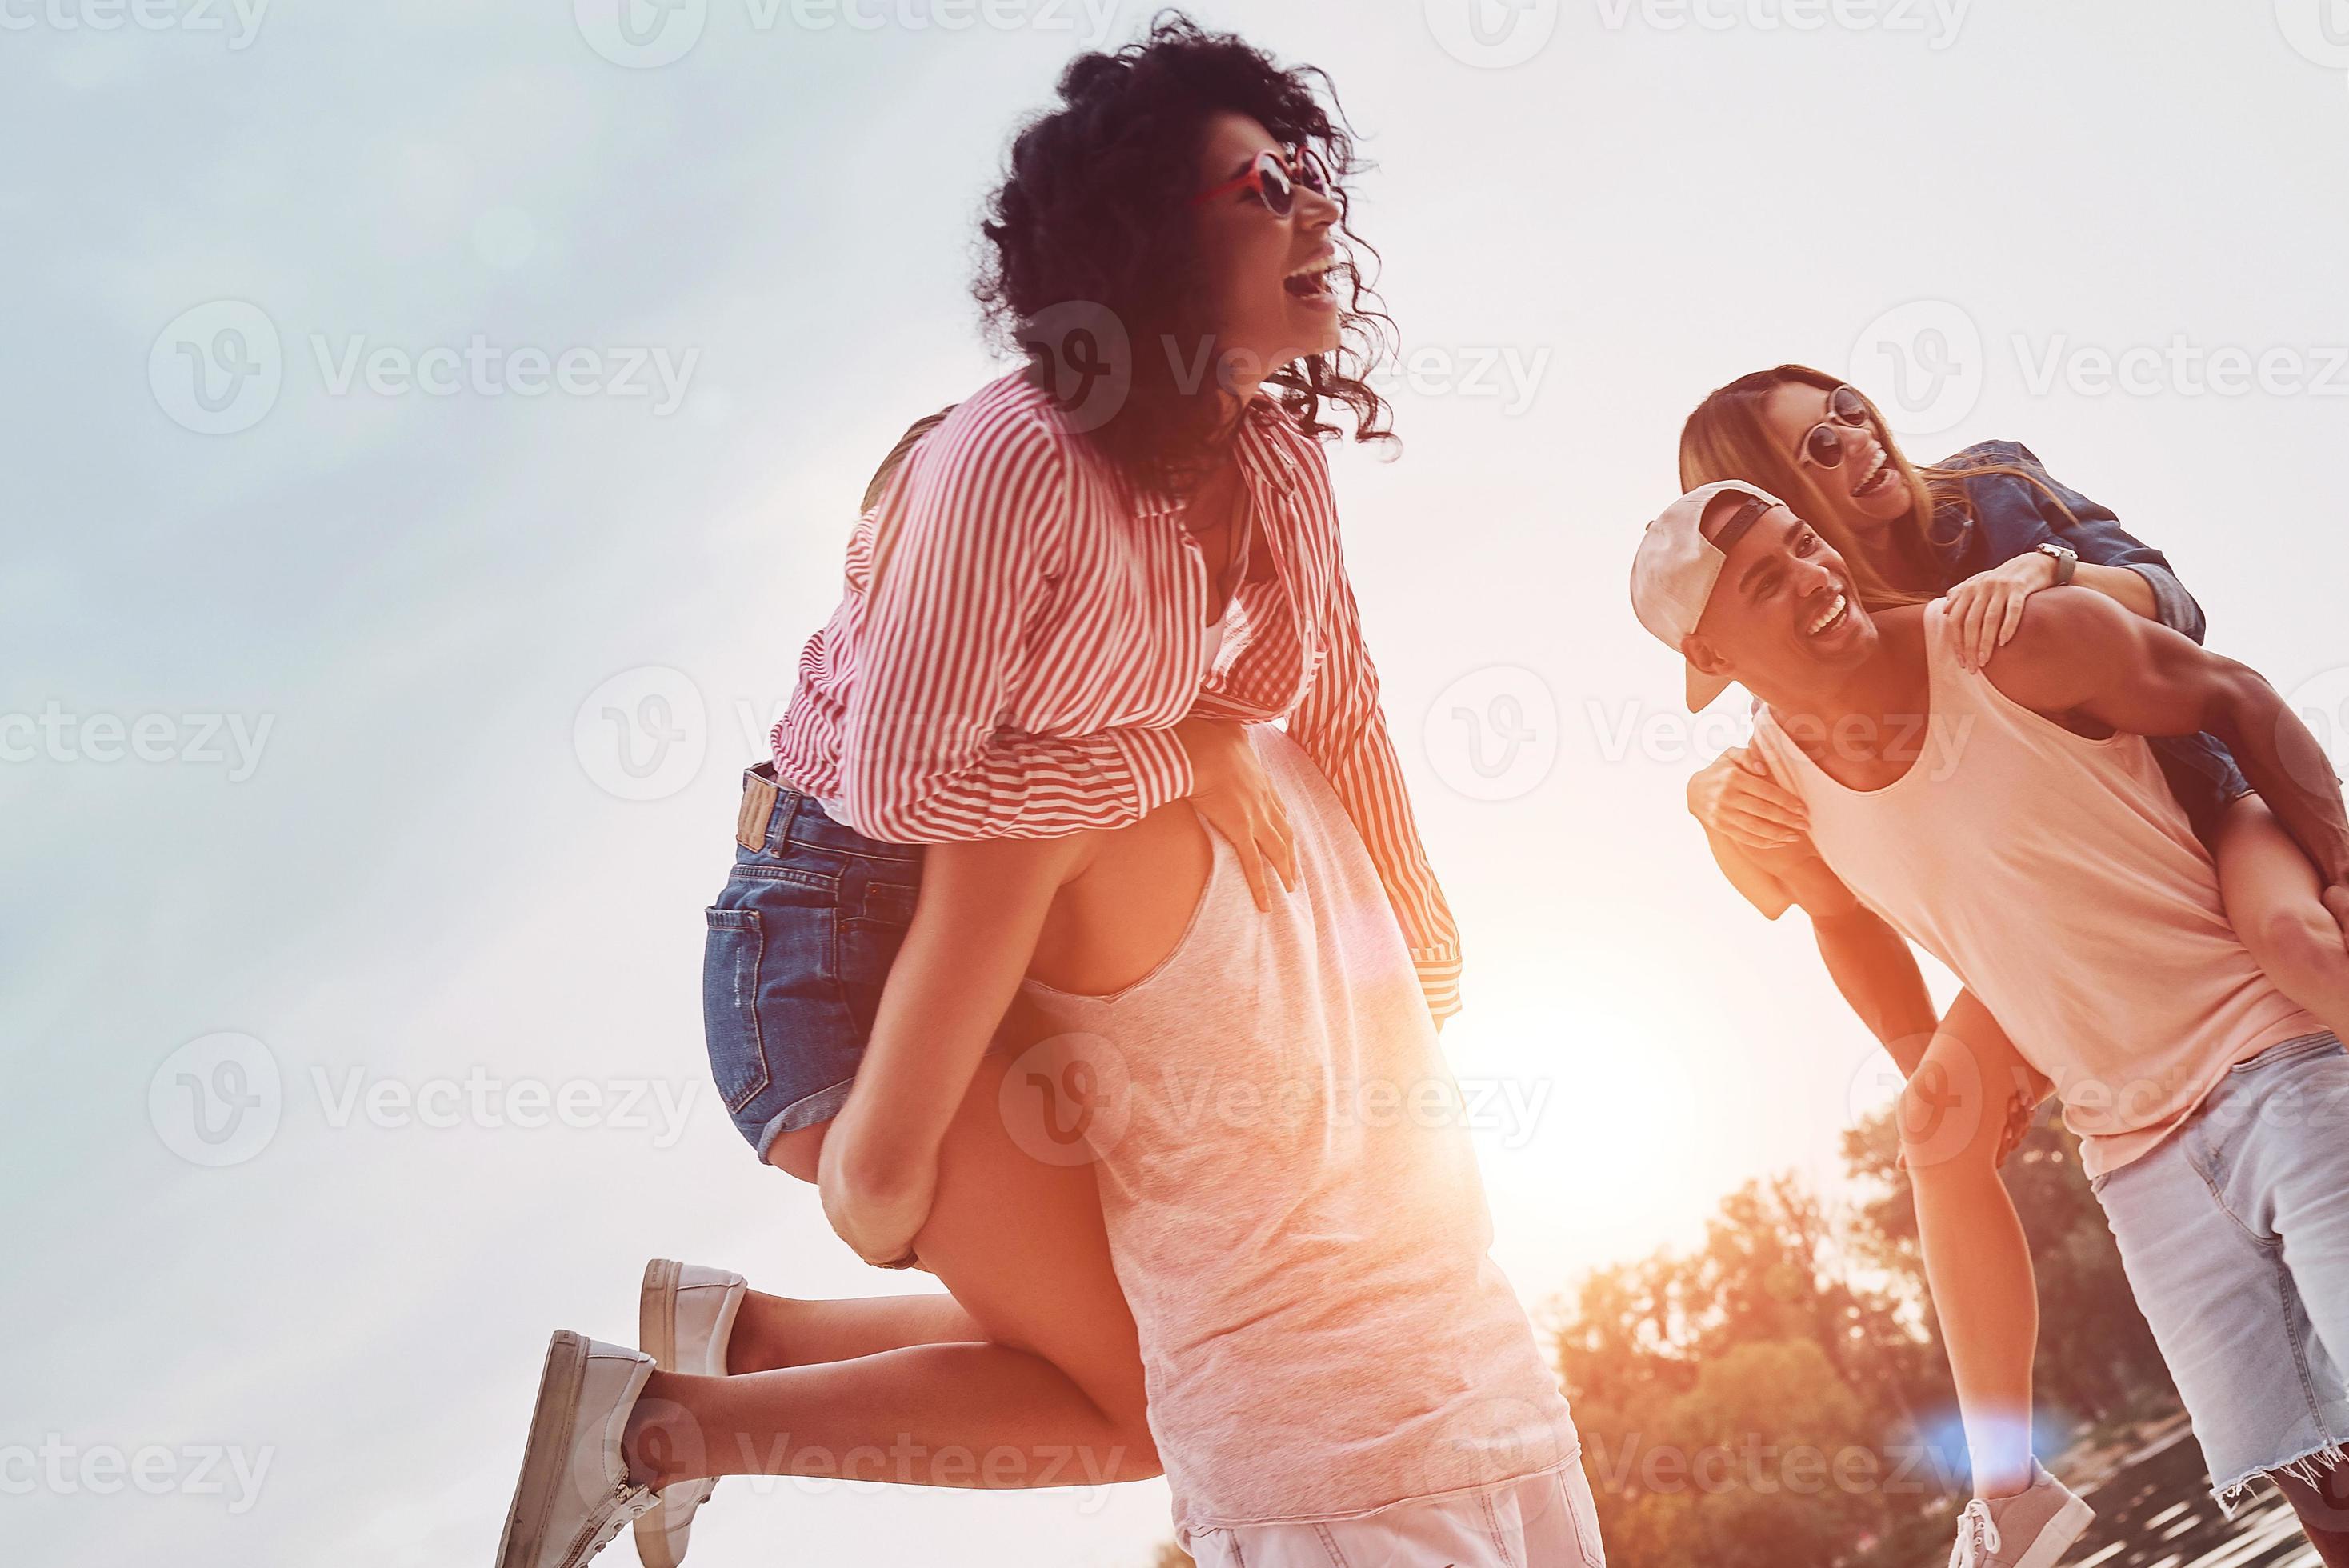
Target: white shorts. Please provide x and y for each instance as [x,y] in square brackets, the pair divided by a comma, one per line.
[1547,1520]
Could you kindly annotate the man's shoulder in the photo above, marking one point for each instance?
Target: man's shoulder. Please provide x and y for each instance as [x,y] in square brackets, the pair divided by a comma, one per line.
[2059,622]
[2067,635]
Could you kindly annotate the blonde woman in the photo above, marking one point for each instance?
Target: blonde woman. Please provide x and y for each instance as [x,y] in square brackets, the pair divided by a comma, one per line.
[1987,528]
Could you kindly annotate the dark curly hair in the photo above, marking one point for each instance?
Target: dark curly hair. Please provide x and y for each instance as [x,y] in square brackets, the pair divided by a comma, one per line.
[1095,215]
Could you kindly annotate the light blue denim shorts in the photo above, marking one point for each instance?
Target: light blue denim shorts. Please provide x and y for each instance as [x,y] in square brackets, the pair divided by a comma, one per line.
[2235,1234]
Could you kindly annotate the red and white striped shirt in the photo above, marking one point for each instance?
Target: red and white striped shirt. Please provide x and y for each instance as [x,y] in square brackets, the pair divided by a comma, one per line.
[1037,628]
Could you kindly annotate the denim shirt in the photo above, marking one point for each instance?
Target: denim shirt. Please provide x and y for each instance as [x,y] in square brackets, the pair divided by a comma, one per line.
[2010,517]
[2014,516]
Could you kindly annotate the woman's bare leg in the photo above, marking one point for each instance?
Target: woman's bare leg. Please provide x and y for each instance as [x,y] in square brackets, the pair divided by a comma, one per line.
[2271,894]
[1051,1396]
[777,1331]
[1976,1258]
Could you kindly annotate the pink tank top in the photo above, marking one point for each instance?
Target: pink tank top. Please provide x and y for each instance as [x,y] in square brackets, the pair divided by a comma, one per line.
[2056,876]
[1293,1203]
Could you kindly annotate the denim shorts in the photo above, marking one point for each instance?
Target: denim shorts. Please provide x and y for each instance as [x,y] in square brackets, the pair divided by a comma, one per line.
[2203,776]
[800,943]
[2235,1234]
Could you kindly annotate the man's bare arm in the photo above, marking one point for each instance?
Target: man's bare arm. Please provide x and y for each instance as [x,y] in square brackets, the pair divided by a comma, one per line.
[2079,653]
[1763,890]
[1876,971]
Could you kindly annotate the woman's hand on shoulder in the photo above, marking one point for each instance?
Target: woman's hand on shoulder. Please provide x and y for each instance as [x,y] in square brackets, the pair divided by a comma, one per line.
[1229,790]
[1733,797]
[1987,608]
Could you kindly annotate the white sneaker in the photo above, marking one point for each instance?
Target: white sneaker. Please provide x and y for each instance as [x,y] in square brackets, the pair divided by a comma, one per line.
[684,1318]
[575,1494]
[2033,1529]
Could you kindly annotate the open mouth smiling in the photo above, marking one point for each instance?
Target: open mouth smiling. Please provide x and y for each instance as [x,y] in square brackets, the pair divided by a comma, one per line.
[1878,475]
[1312,281]
[1831,619]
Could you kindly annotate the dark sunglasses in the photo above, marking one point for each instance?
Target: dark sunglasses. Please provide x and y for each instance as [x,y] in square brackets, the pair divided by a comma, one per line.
[1821,445]
[1275,180]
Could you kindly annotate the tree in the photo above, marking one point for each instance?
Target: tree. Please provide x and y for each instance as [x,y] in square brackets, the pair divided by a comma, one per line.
[1774,1398]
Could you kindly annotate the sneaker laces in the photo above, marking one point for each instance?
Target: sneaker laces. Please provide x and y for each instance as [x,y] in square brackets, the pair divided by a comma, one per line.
[627,1503]
[1977,1537]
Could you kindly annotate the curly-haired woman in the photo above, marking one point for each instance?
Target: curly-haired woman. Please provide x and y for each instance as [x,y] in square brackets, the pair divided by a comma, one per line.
[1063,608]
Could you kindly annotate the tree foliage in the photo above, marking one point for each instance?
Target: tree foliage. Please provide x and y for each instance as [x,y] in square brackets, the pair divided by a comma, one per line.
[1777,1396]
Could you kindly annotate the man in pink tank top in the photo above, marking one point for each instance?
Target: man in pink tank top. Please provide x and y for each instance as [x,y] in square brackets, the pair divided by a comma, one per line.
[2011,821]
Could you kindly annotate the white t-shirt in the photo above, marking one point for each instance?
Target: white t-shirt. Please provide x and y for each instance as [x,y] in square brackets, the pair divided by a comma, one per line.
[1292,1203]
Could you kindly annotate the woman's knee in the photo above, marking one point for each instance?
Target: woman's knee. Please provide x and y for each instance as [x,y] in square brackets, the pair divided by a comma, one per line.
[1133,1450]
[1946,1116]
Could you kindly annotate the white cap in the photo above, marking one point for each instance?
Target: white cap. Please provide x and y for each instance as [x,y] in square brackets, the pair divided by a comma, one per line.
[1673,574]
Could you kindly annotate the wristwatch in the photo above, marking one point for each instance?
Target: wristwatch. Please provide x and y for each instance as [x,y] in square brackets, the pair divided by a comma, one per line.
[2066,560]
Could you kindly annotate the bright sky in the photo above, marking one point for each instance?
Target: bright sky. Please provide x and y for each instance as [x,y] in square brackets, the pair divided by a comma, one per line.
[360,632]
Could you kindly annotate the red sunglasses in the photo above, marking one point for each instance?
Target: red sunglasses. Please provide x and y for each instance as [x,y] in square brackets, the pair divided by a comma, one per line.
[1275,180]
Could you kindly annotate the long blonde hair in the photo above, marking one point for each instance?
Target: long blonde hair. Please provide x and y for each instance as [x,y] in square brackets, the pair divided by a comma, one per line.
[1727,437]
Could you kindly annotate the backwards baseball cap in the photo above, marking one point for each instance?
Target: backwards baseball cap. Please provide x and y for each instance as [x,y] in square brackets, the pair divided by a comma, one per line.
[1673,574]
